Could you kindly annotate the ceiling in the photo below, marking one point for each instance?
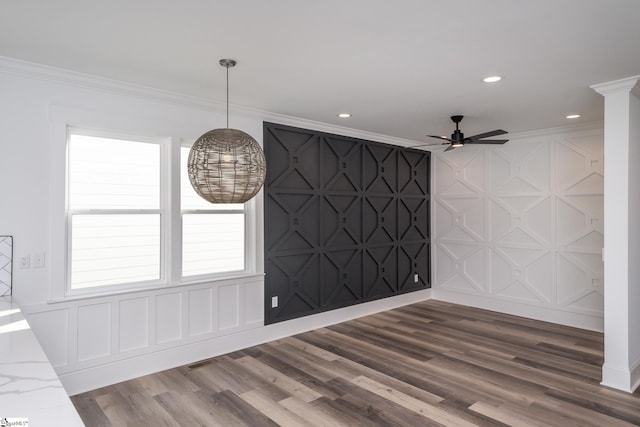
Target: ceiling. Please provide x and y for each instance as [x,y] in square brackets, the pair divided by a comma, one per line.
[401,68]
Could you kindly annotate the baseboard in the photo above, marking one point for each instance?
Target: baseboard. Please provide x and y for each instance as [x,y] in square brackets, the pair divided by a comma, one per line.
[635,376]
[621,379]
[80,381]
[576,320]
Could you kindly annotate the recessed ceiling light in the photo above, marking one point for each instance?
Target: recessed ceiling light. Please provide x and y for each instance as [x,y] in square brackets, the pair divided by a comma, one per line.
[344,115]
[573,116]
[492,79]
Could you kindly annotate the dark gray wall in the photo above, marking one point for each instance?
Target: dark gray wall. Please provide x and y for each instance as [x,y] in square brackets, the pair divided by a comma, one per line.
[346,221]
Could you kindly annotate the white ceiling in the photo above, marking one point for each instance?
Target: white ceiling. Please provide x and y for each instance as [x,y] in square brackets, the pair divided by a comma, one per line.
[400,67]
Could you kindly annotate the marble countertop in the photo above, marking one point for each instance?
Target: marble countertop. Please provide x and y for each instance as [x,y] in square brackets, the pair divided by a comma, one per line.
[29,387]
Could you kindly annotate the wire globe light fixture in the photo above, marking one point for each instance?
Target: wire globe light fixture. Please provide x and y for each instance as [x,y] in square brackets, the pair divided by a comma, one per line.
[226,165]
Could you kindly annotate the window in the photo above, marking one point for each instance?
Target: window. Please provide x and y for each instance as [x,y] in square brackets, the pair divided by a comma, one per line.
[213,238]
[120,216]
[114,212]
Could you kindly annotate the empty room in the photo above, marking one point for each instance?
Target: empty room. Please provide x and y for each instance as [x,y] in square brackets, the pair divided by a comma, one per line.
[354,213]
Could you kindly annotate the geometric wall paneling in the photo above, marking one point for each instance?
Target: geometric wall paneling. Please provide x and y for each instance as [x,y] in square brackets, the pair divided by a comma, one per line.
[379,168]
[458,173]
[342,273]
[520,221]
[380,271]
[581,170]
[520,169]
[461,266]
[580,223]
[467,218]
[533,212]
[408,266]
[527,276]
[412,170]
[410,211]
[579,227]
[582,279]
[6,262]
[346,221]
[379,219]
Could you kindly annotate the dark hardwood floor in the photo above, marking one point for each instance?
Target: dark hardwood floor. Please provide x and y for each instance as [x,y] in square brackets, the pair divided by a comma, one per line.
[427,364]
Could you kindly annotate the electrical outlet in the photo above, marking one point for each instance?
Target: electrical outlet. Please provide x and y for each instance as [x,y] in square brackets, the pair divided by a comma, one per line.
[416,278]
[38,260]
[274,302]
[25,262]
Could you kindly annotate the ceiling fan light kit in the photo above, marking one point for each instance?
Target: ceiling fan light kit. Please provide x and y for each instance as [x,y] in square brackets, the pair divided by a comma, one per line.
[226,165]
[458,139]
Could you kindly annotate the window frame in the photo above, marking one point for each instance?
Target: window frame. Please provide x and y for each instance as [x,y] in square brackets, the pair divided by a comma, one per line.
[103,124]
[162,211]
[246,211]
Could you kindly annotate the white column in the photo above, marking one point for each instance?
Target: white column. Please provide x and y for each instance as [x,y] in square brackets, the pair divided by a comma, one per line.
[621,251]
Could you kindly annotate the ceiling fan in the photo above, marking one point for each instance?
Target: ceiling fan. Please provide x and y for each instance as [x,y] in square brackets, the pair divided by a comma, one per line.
[458,139]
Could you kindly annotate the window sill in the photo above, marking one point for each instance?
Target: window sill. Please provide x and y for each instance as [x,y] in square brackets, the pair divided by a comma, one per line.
[222,280]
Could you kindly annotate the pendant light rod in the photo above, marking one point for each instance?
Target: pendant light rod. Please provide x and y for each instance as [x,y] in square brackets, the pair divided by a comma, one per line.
[228,63]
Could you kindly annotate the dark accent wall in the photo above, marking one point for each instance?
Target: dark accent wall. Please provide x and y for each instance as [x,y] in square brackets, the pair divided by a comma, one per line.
[346,221]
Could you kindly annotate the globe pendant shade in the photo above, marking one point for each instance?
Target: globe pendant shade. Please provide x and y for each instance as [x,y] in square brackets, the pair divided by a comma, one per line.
[226,166]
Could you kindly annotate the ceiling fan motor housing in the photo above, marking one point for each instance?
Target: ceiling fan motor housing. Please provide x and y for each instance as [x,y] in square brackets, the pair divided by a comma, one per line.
[457,136]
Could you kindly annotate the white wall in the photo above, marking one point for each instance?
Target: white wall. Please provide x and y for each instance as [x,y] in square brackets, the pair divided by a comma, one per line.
[97,341]
[518,228]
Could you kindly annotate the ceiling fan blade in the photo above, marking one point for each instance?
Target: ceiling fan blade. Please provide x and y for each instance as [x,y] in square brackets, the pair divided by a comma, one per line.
[449,148]
[487,141]
[440,137]
[488,134]
[436,144]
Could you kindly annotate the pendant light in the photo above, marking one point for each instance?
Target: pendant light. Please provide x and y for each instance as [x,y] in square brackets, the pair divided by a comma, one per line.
[226,165]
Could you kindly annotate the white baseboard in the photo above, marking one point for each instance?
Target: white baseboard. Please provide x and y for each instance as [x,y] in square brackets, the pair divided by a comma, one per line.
[621,379]
[83,380]
[635,376]
[547,314]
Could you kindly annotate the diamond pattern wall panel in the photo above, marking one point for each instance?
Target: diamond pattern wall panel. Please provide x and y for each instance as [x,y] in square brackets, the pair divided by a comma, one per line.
[523,222]
[6,265]
[346,221]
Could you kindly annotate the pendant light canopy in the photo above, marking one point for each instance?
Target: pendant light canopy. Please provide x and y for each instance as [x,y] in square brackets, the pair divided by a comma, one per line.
[226,165]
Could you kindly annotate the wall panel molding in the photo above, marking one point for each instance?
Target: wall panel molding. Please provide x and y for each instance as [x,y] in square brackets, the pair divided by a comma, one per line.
[95,333]
[346,221]
[521,225]
[81,376]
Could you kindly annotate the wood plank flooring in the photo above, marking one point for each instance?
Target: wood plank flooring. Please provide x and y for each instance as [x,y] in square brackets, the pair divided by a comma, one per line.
[427,364]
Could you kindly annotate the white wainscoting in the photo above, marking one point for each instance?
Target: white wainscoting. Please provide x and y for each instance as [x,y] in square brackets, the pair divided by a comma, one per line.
[99,341]
[98,333]
[518,228]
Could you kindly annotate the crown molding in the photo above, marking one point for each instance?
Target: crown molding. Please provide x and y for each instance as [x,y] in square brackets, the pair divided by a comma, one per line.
[57,75]
[72,78]
[629,84]
[594,126]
